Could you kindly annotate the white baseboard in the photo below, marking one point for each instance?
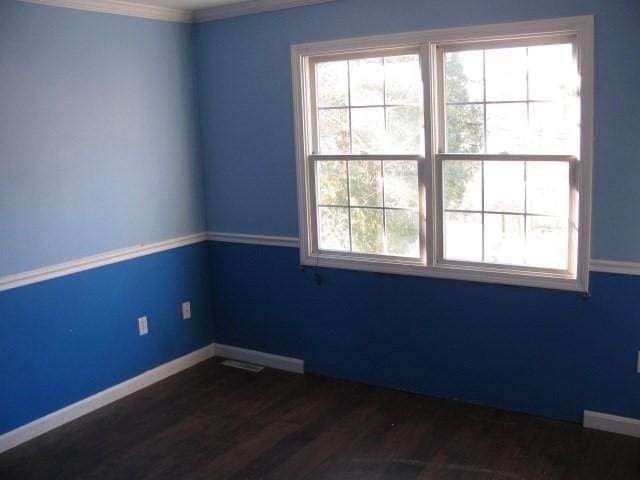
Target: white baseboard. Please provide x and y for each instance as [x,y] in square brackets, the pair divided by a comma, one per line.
[611,423]
[53,420]
[259,358]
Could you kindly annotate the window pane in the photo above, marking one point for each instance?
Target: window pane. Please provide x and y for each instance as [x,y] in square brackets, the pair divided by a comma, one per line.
[462,185]
[403,81]
[403,236]
[400,184]
[404,129]
[368,130]
[367,230]
[507,128]
[465,129]
[504,186]
[333,228]
[365,183]
[504,239]
[552,72]
[506,74]
[367,81]
[554,128]
[332,183]
[333,131]
[332,84]
[464,76]
[548,188]
[547,242]
[463,236]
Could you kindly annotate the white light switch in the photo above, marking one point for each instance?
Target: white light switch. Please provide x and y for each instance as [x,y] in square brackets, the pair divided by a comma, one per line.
[143,328]
[186,310]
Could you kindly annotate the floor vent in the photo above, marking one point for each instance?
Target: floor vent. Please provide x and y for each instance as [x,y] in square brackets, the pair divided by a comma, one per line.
[243,366]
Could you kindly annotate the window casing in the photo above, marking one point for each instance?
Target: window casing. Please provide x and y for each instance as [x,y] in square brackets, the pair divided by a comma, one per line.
[409,220]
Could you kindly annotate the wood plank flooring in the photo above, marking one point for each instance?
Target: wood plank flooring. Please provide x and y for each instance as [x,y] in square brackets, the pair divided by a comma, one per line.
[215,422]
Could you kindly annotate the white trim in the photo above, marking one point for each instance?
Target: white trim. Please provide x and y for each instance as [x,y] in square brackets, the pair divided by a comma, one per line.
[118,7]
[287,364]
[250,7]
[132,9]
[611,423]
[95,261]
[302,56]
[292,242]
[614,266]
[596,265]
[71,412]
[87,263]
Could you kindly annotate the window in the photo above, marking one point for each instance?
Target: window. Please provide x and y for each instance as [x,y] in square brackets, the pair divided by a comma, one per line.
[369,126]
[461,153]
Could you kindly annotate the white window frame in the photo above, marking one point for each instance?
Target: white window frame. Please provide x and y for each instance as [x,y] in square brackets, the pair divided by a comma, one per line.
[431,262]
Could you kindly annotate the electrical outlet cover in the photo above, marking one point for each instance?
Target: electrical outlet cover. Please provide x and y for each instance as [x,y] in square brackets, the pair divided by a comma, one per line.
[143,327]
[186,310]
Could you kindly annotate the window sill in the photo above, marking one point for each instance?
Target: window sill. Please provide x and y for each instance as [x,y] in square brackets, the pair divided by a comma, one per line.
[495,275]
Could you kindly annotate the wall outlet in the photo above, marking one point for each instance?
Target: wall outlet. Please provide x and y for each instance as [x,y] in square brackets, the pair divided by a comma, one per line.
[143,328]
[186,310]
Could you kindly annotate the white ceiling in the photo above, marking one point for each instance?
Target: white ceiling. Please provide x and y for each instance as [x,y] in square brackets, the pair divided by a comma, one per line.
[186,4]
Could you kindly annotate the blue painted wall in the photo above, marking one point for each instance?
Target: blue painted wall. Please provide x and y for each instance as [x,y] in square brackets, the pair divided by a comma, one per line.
[99,137]
[545,352]
[103,149]
[98,151]
[65,339]
[246,108]
[540,351]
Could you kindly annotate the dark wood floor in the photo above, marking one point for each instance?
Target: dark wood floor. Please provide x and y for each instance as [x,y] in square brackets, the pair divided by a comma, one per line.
[217,423]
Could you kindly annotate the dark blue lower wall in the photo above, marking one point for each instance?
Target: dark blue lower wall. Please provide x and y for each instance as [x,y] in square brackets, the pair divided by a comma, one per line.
[540,351]
[65,339]
[544,352]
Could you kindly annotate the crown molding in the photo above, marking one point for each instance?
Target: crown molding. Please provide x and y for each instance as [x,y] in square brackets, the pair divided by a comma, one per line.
[249,7]
[117,7]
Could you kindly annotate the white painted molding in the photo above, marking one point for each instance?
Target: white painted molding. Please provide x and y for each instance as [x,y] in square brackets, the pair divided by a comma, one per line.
[611,423]
[254,239]
[612,266]
[430,263]
[94,261]
[606,266]
[118,7]
[67,414]
[249,7]
[87,263]
[287,364]
[132,9]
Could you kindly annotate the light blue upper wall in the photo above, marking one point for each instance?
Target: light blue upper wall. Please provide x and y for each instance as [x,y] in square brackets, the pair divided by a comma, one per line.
[98,138]
[246,114]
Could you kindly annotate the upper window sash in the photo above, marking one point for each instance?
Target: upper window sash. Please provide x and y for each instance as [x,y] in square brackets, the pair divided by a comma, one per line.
[345,106]
[480,93]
